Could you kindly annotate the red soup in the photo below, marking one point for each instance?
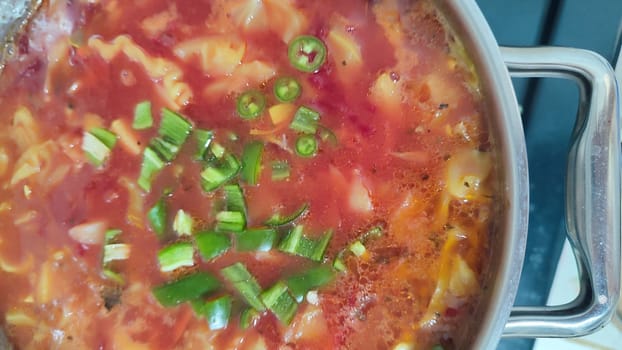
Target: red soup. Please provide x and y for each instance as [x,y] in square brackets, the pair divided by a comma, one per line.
[248,174]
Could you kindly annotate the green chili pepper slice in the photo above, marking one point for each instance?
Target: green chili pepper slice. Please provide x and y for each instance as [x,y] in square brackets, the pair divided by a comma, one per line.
[251,104]
[307,53]
[306,146]
[287,89]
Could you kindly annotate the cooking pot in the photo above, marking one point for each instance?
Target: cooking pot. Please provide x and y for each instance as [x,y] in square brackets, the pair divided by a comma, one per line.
[592,184]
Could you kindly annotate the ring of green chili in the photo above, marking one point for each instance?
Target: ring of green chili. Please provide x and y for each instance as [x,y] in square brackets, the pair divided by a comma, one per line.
[306,146]
[287,89]
[307,53]
[250,104]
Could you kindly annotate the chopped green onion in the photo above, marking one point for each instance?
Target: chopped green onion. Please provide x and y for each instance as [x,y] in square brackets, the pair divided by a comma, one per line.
[307,53]
[204,139]
[233,221]
[313,278]
[113,276]
[215,176]
[183,223]
[111,234]
[247,317]
[244,283]
[235,198]
[116,251]
[278,300]
[165,149]
[186,288]
[157,217]
[174,128]
[97,144]
[251,162]
[305,120]
[212,244]
[357,248]
[151,166]
[279,220]
[142,116]
[261,239]
[320,246]
[372,233]
[216,311]
[250,104]
[287,89]
[292,240]
[327,135]
[306,146]
[280,170]
[217,150]
[176,255]
[339,264]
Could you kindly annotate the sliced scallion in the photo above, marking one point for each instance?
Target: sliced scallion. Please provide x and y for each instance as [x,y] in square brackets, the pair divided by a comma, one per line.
[320,246]
[97,144]
[157,217]
[278,300]
[151,166]
[186,288]
[287,89]
[305,120]
[116,251]
[251,162]
[176,255]
[244,283]
[280,170]
[250,104]
[165,149]
[113,276]
[292,240]
[213,177]
[279,220]
[357,248]
[204,139]
[111,235]
[142,116]
[230,221]
[217,311]
[183,223]
[260,239]
[308,280]
[234,198]
[174,128]
[212,244]
[247,317]
[295,242]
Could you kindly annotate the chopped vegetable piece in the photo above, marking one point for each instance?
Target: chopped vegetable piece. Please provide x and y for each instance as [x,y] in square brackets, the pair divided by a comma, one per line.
[306,146]
[97,144]
[261,239]
[204,139]
[313,278]
[111,234]
[320,246]
[151,166]
[186,288]
[233,221]
[176,255]
[305,120]
[437,347]
[307,53]
[251,162]
[113,276]
[292,240]
[251,104]
[174,128]
[215,176]
[165,149]
[235,198]
[327,135]
[278,300]
[218,312]
[157,217]
[339,264]
[357,248]
[244,283]
[247,317]
[287,89]
[142,116]
[280,170]
[278,220]
[217,150]
[373,233]
[183,223]
[116,251]
[212,244]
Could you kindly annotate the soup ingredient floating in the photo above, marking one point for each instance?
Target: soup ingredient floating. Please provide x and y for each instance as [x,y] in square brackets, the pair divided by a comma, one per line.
[242,175]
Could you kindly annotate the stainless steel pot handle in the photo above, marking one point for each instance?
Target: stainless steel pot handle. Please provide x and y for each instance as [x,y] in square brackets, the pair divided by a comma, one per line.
[592,193]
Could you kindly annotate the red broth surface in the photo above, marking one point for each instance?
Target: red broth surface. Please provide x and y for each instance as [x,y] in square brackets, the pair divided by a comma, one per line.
[403,177]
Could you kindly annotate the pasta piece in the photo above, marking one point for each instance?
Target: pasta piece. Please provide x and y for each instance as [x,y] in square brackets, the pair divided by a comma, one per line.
[218,55]
[89,232]
[127,137]
[155,25]
[386,94]
[44,163]
[165,74]
[245,75]
[344,50]
[18,318]
[360,199]
[308,326]
[248,14]
[20,268]
[5,161]
[285,19]
[466,174]
[135,211]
